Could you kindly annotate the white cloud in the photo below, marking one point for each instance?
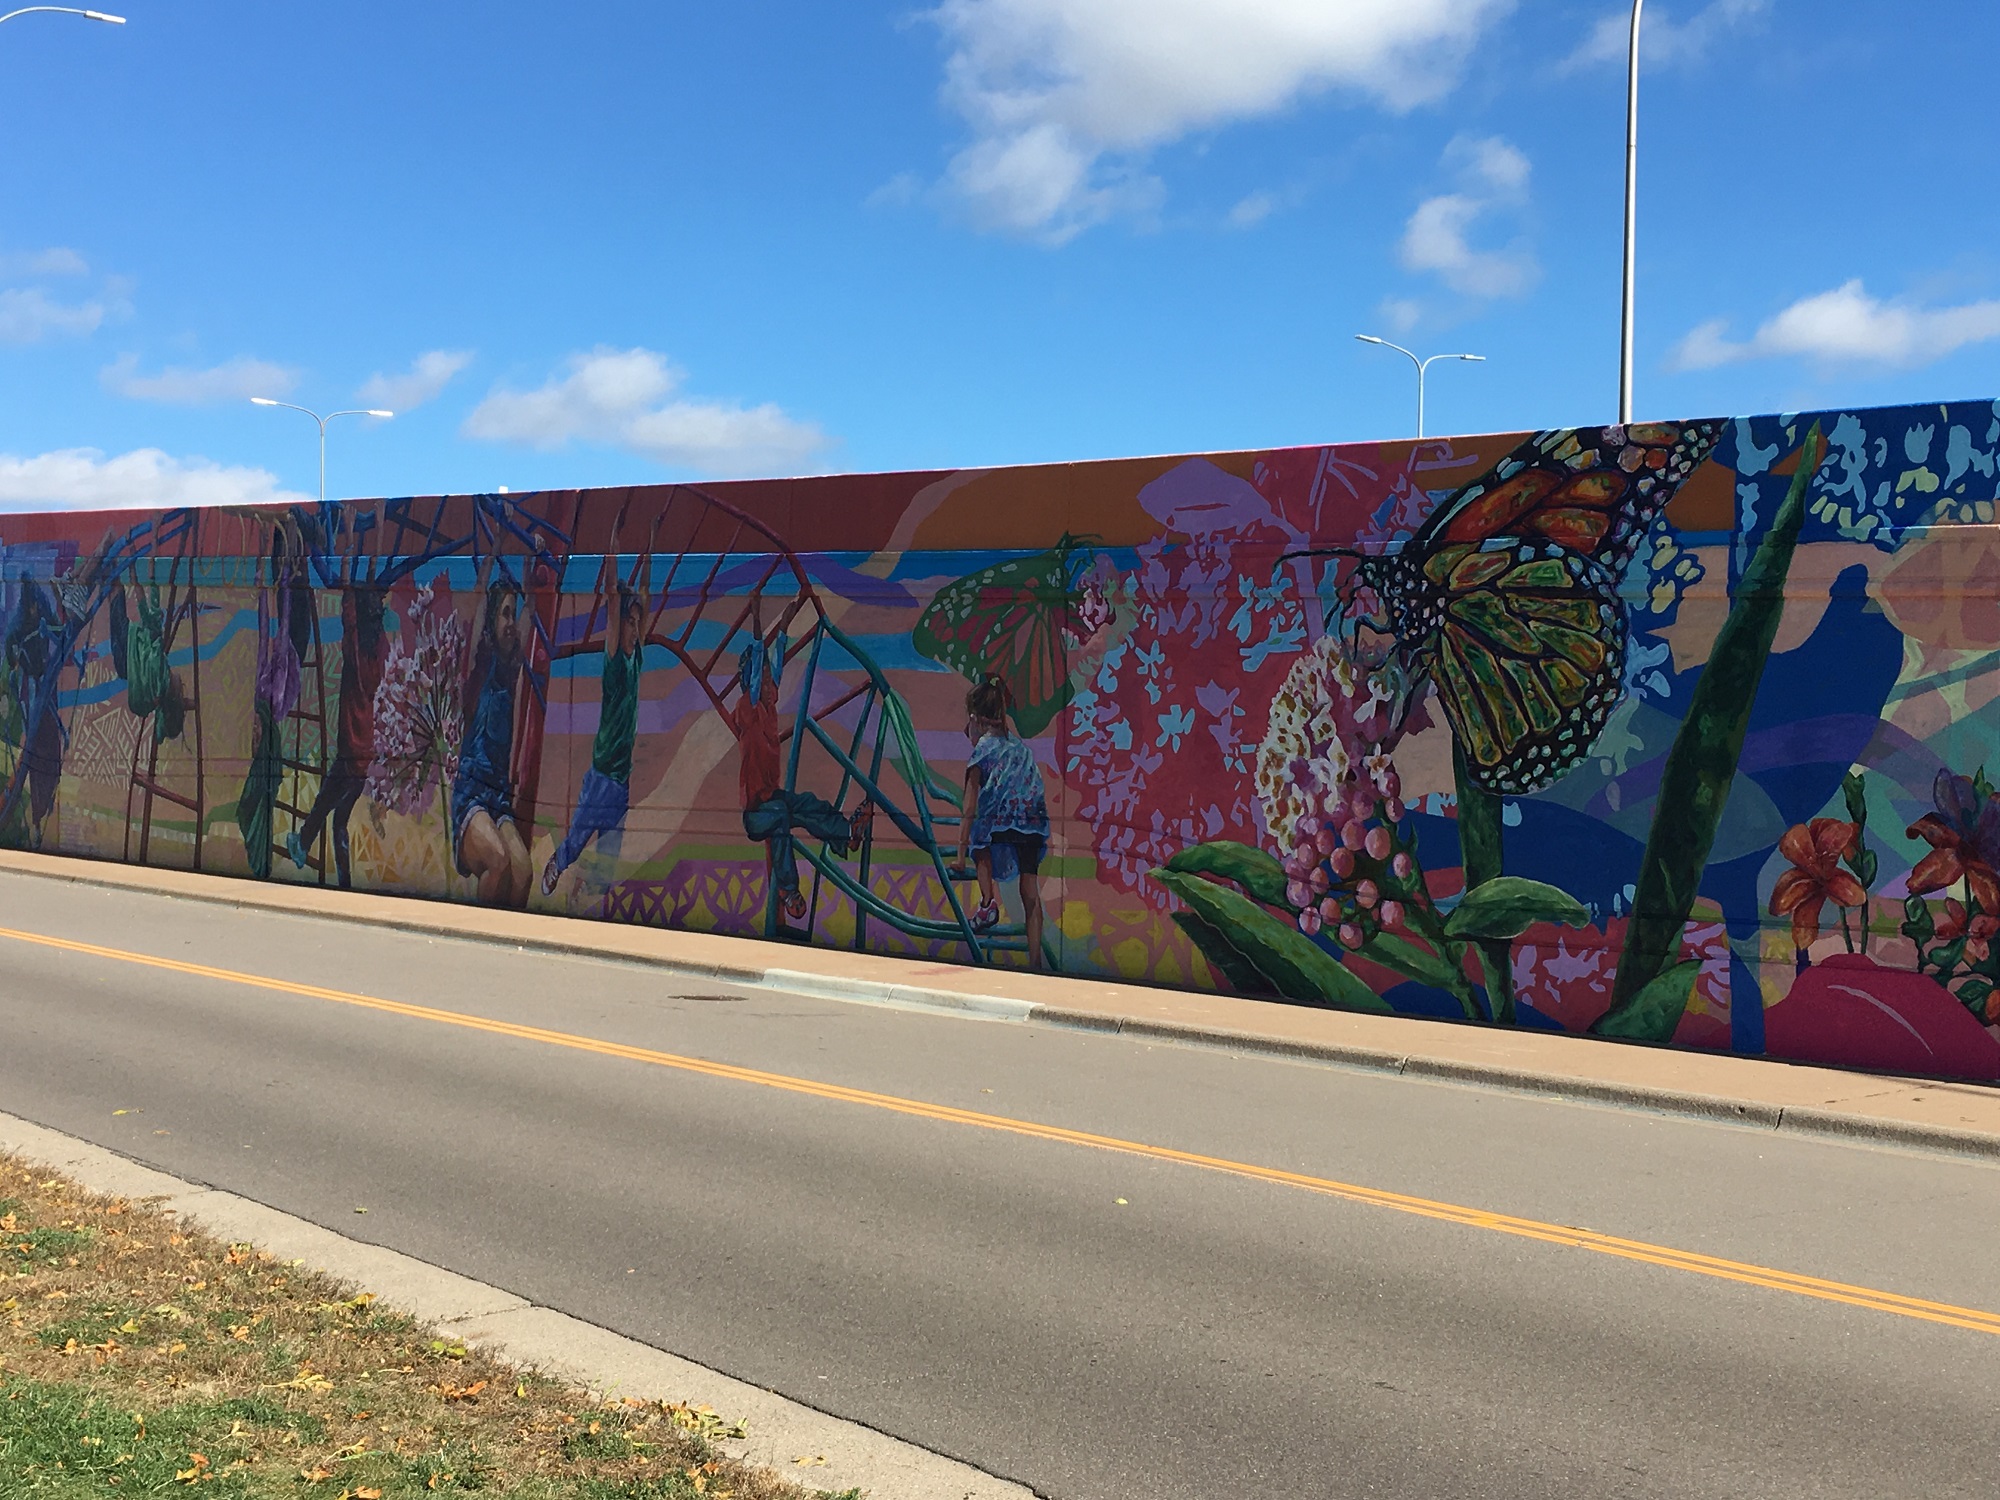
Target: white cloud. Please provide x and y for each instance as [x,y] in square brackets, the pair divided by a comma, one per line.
[1252,211]
[1399,313]
[84,479]
[626,397]
[902,189]
[1494,175]
[1064,96]
[235,380]
[1663,42]
[422,382]
[55,261]
[1845,326]
[28,315]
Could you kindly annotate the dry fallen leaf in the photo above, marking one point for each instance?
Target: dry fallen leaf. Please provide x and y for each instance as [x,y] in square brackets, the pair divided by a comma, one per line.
[306,1380]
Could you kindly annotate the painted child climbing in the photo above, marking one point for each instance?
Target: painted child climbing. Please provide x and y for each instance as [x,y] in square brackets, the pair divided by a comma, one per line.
[284,617]
[363,653]
[1004,819]
[33,641]
[139,655]
[770,813]
[606,793]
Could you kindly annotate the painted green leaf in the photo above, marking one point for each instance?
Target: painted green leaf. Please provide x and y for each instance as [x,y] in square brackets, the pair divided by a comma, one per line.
[1257,872]
[1215,947]
[1701,767]
[1413,962]
[1507,906]
[1653,1013]
[1855,792]
[1285,960]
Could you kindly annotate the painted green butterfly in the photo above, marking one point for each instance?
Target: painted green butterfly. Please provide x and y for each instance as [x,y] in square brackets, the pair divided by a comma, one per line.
[1507,597]
[1010,619]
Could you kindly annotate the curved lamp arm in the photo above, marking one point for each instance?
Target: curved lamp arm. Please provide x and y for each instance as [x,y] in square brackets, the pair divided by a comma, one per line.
[65,10]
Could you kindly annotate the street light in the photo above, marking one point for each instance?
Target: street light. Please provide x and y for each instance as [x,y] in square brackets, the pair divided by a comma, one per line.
[1422,365]
[1631,215]
[267,401]
[64,10]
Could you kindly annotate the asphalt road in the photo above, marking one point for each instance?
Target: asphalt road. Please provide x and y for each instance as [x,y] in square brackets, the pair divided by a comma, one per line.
[988,1295]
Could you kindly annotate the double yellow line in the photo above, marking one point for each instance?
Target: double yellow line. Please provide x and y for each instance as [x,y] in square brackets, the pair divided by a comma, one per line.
[1744,1272]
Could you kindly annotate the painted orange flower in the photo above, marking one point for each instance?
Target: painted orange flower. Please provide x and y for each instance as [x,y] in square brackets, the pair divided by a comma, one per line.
[1964,835]
[1816,877]
[1978,931]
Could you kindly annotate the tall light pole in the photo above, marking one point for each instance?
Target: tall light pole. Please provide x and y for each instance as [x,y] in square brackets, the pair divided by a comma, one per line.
[1631,215]
[64,10]
[1422,365]
[322,420]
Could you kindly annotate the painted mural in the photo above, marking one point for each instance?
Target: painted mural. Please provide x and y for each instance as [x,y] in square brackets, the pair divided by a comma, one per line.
[1679,732]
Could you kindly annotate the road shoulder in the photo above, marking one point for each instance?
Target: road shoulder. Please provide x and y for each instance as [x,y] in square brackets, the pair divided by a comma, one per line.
[1881,1109]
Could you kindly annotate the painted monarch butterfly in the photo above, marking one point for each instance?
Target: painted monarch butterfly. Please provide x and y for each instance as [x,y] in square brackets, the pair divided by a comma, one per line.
[1009,620]
[1507,600]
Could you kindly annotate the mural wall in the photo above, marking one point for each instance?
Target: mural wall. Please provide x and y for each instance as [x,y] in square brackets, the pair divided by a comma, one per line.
[1676,732]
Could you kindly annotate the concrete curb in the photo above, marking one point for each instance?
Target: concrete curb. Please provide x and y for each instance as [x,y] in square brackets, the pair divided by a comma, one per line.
[1790,1118]
[1798,1120]
[530,1336]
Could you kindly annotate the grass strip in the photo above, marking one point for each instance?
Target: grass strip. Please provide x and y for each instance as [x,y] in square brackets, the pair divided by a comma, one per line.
[138,1356]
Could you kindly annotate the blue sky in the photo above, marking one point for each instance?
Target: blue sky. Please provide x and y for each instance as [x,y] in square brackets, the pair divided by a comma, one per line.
[606,243]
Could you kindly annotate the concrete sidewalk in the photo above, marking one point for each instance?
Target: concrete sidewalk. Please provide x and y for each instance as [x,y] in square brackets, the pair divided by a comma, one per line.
[1954,1117]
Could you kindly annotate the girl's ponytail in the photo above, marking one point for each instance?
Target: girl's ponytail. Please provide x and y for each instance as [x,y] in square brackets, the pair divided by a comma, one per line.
[992,699]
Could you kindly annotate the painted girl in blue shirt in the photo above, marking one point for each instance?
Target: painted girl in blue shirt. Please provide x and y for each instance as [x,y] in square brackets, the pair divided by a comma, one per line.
[1004,819]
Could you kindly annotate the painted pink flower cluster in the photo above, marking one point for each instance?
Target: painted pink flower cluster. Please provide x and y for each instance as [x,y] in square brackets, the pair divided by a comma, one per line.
[419,707]
[1331,795]
[1323,866]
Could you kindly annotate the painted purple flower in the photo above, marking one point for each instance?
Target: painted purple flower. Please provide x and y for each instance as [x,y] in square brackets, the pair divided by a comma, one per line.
[419,710]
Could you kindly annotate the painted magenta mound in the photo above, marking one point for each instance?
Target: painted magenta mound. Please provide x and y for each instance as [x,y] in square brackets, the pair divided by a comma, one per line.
[1851,1012]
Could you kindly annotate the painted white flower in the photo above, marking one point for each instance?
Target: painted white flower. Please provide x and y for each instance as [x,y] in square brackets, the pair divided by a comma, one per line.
[1302,761]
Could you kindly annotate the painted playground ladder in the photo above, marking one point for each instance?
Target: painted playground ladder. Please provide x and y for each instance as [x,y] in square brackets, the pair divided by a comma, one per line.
[183,605]
[303,763]
[920,804]
[712,600]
